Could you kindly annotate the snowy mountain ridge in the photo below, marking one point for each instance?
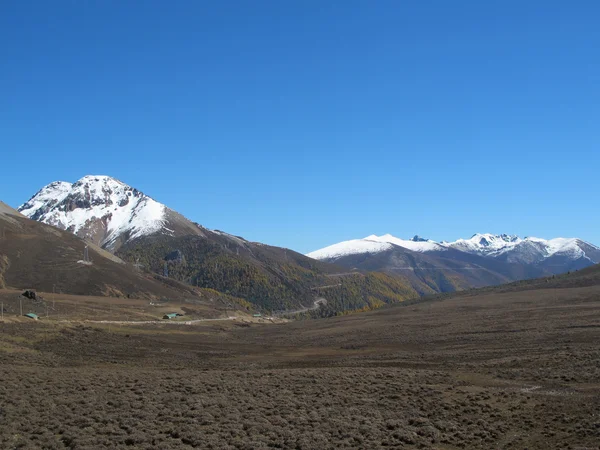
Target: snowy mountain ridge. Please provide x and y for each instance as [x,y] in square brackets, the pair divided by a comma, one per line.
[497,245]
[511,247]
[97,207]
[416,244]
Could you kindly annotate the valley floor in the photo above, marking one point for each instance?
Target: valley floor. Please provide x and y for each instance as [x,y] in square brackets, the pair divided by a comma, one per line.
[513,370]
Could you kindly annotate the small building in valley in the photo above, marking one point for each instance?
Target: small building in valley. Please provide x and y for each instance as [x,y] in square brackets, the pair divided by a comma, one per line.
[170,316]
[32,316]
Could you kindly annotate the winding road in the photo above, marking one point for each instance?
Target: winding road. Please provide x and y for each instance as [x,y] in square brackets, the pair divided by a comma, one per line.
[316,304]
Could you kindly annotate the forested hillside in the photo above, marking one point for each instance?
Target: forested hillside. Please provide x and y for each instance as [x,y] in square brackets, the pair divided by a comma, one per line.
[272,278]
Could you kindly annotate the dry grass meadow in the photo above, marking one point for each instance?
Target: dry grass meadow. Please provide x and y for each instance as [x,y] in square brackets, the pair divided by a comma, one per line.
[489,370]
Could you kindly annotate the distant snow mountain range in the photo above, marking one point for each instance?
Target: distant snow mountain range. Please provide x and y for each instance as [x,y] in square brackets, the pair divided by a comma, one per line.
[513,248]
[482,260]
[127,222]
[509,248]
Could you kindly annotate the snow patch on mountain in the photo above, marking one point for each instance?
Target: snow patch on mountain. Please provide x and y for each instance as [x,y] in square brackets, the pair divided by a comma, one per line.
[236,239]
[486,243]
[416,244]
[375,244]
[564,246]
[352,247]
[46,197]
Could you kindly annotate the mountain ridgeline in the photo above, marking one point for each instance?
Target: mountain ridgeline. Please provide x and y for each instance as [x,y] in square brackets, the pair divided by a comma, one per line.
[352,275]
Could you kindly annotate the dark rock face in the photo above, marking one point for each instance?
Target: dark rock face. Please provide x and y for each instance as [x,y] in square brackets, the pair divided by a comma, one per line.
[75,202]
[39,213]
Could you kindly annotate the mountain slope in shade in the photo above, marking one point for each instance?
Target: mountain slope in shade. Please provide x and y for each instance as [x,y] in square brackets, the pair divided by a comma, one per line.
[105,211]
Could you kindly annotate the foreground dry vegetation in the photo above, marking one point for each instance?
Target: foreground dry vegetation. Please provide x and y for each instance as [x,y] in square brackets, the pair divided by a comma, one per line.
[512,370]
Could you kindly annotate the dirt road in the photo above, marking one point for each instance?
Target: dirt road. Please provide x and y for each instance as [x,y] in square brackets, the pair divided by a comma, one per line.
[316,304]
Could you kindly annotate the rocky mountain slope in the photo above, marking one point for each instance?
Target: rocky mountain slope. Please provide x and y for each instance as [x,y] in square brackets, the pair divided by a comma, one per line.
[105,211]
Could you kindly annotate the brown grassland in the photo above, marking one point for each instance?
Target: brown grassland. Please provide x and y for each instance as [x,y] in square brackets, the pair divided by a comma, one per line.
[485,370]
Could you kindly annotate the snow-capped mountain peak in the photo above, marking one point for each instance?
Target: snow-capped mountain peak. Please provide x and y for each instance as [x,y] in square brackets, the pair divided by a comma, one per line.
[374,244]
[485,242]
[100,208]
[352,247]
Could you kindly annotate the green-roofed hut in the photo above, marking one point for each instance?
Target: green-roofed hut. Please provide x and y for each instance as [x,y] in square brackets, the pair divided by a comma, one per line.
[32,316]
[171,316]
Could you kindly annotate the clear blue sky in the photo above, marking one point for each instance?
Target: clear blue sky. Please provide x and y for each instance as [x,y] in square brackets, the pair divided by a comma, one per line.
[304,123]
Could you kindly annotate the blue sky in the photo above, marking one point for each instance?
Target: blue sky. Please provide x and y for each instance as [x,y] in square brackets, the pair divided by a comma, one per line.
[304,123]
